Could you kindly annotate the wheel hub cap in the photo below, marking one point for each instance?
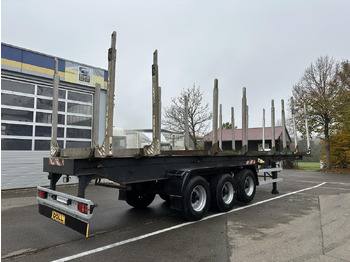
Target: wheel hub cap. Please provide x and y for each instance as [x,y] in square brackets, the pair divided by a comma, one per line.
[198,198]
[227,193]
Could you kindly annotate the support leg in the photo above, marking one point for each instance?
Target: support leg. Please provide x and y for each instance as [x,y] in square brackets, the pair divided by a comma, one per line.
[53,180]
[83,183]
[274,176]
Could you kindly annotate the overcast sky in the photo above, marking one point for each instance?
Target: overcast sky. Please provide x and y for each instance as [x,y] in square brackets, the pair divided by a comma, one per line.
[262,45]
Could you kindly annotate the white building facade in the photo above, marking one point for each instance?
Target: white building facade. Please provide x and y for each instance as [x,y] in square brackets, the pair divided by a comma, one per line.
[26,103]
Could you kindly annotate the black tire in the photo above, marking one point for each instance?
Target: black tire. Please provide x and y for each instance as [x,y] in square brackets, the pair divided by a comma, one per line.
[196,199]
[138,200]
[223,192]
[246,186]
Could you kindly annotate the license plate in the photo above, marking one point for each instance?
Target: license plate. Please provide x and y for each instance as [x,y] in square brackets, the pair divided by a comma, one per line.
[58,217]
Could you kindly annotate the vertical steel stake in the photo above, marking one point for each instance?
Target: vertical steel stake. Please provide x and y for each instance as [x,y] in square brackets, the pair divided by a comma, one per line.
[160,113]
[54,148]
[244,122]
[284,127]
[263,131]
[220,127]
[296,150]
[273,137]
[247,127]
[187,139]
[307,131]
[96,115]
[107,147]
[233,128]
[215,114]
[274,176]
[154,148]
[244,117]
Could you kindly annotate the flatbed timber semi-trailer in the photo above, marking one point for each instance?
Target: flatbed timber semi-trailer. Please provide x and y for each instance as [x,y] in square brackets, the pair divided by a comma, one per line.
[190,180]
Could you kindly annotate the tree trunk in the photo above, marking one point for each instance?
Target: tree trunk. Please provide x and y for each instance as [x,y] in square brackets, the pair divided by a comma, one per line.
[194,140]
[327,145]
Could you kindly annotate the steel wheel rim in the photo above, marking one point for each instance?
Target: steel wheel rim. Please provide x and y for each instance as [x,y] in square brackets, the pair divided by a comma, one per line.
[227,193]
[198,198]
[249,186]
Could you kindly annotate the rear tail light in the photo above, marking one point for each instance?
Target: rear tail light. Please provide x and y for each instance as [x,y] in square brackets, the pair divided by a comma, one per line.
[83,208]
[42,194]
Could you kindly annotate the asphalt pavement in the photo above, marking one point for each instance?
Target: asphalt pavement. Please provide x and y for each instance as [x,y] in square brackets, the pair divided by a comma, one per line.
[309,220]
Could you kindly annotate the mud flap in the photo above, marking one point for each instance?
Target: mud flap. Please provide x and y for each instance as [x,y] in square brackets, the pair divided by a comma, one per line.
[65,219]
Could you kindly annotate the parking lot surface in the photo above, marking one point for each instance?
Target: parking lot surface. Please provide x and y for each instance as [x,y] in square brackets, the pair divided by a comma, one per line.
[309,220]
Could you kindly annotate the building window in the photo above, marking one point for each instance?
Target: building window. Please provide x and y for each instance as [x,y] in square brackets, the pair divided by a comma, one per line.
[79,109]
[47,91]
[47,104]
[80,97]
[46,131]
[16,115]
[17,87]
[47,118]
[78,133]
[16,130]
[16,100]
[41,145]
[78,144]
[16,144]
[26,113]
[79,121]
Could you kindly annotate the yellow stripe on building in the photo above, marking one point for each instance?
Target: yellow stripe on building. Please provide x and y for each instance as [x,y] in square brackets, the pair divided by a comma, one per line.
[41,70]
[37,69]
[12,63]
[71,76]
[99,80]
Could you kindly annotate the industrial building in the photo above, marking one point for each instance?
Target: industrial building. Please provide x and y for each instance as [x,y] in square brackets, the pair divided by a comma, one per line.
[26,103]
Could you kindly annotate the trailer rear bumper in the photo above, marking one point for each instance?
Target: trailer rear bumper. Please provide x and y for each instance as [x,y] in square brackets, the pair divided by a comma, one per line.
[71,211]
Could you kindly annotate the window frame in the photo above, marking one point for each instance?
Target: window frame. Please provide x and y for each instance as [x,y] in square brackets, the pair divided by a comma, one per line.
[34,110]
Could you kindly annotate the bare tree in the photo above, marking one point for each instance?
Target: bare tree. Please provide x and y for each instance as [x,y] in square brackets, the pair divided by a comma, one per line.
[317,89]
[198,114]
